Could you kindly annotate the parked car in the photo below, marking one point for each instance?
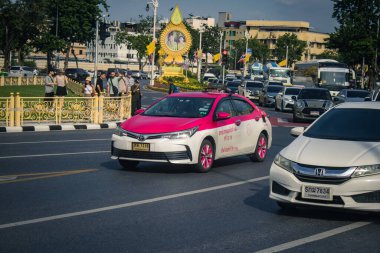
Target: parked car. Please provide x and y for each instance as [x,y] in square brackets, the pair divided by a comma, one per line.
[194,128]
[311,103]
[267,97]
[143,75]
[24,71]
[334,163]
[284,99]
[233,86]
[251,89]
[347,95]
[77,74]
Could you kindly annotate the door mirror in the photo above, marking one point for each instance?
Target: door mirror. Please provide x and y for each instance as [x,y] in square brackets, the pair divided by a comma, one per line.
[222,115]
[297,131]
[294,97]
[139,111]
[336,99]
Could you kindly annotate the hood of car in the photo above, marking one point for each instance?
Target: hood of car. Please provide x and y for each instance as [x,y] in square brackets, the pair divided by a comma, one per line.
[315,103]
[153,125]
[332,153]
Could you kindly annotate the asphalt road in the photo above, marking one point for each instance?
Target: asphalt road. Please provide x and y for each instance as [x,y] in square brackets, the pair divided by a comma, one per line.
[61,192]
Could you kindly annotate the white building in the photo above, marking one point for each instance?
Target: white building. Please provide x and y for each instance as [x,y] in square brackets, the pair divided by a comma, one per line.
[110,52]
[198,22]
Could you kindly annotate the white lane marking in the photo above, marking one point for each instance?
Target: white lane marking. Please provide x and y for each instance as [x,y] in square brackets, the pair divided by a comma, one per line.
[313,238]
[130,204]
[59,141]
[58,154]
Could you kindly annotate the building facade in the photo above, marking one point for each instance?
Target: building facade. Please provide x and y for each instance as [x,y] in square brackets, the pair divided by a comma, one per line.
[199,22]
[268,31]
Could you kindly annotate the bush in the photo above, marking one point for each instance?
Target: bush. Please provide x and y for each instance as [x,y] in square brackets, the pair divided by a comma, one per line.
[31,64]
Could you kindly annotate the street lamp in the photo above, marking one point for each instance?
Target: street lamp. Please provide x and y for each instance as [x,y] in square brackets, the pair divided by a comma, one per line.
[201,56]
[155,6]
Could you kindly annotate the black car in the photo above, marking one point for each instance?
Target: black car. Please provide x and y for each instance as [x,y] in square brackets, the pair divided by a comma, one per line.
[268,95]
[233,86]
[347,95]
[311,103]
[77,74]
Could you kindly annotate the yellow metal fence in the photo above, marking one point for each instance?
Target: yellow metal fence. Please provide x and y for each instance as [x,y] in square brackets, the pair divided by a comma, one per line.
[18,111]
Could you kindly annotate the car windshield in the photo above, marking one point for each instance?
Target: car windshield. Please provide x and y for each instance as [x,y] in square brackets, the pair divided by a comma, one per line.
[274,89]
[337,124]
[233,84]
[181,107]
[15,68]
[334,78]
[254,85]
[279,72]
[292,91]
[357,93]
[314,94]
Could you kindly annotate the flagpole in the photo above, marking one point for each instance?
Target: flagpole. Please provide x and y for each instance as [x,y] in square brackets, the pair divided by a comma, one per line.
[246,52]
[287,48]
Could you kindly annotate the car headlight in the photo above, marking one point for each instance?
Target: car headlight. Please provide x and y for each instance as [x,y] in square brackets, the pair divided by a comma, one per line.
[180,135]
[367,170]
[119,131]
[283,163]
[329,105]
[288,99]
[300,104]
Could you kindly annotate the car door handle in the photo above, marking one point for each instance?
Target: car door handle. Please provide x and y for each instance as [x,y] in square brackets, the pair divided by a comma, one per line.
[238,122]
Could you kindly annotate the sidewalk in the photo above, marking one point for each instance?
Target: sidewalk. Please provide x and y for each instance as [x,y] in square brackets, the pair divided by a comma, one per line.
[62,127]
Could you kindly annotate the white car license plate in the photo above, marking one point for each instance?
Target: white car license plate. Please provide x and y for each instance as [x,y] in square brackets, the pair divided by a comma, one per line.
[136,146]
[316,192]
[314,113]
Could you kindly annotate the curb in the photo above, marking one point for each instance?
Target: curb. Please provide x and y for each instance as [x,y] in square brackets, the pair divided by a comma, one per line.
[47,128]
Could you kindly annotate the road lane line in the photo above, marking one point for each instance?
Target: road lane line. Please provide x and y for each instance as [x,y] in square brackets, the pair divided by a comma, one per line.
[58,141]
[313,238]
[130,204]
[34,176]
[58,154]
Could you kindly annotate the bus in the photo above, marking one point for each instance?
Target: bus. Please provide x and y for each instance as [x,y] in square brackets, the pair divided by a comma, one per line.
[324,73]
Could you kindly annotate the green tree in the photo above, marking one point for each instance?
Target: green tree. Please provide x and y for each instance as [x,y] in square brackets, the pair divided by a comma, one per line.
[260,51]
[329,54]
[211,41]
[356,36]
[295,46]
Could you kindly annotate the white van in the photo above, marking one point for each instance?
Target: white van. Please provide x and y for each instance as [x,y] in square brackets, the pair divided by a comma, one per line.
[17,71]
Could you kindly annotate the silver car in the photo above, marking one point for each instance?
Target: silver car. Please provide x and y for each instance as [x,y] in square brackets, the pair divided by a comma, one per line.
[251,89]
[311,103]
[24,71]
[284,99]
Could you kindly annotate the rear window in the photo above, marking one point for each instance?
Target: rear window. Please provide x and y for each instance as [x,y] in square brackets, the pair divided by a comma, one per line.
[337,124]
[314,94]
[292,91]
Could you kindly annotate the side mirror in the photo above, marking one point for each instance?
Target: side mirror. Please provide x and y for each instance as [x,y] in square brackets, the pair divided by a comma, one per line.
[294,97]
[336,99]
[222,115]
[297,131]
[139,111]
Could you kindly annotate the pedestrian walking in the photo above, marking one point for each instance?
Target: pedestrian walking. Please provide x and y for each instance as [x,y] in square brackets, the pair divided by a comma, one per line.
[172,87]
[49,88]
[113,85]
[135,97]
[130,79]
[99,88]
[88,88]
[123,84]
[61,81]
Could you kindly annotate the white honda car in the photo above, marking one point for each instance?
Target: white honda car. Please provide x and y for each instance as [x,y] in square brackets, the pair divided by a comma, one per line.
[335,162]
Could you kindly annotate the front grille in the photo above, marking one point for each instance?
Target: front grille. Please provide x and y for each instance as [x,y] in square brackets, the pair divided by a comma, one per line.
[279,189]
[320,180]
[146,136]
[370,197]
[160,156]
[337,200]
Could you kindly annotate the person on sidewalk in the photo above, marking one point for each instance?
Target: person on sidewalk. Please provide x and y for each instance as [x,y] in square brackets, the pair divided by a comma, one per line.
[172,87]
[88,88]
[100,83]
[49,88]
[113,85]
[136,97]
[123,84]
[61,81]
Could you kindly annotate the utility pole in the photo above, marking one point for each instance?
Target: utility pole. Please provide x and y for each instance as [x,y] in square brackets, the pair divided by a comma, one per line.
[201,56]
[96,51]
[246,52]
[220,47]
[155,6]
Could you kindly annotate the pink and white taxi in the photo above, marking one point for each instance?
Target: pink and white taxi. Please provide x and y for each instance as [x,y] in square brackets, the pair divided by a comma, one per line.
[193,128]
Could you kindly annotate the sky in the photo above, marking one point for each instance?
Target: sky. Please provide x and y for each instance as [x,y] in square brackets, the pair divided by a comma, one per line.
[317,12]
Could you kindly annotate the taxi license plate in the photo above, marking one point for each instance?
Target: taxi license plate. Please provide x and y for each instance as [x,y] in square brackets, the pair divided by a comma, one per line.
[316,192]
[314,113]
[136,146]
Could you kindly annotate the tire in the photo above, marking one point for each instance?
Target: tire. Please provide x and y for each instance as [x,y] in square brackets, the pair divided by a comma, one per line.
[261,149]
[205,157]
[128,164]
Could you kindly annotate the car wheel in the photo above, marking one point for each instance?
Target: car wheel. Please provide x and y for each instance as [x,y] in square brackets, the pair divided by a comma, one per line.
[206,157]
[260,150]
[128,164]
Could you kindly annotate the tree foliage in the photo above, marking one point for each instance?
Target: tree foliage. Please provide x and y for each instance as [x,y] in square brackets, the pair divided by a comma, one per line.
[295,46]
[260,51]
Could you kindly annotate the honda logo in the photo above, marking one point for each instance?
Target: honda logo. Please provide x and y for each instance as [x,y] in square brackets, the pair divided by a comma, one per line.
[141,138]
[320,172]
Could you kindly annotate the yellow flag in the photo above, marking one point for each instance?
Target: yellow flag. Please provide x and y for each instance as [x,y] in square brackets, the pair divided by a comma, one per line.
[161,52]
[150,48]
[199,53]
[216,57]
[247,57]
[283,63]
